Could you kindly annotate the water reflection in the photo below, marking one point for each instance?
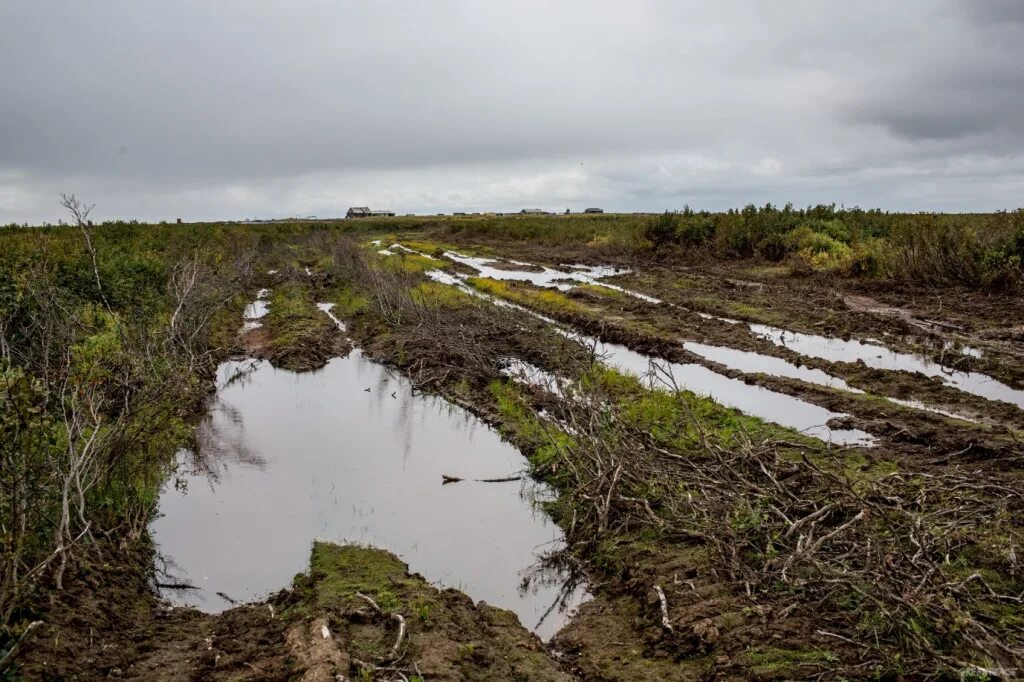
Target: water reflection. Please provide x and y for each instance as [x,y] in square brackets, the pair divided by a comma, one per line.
[880,357]
[350,454]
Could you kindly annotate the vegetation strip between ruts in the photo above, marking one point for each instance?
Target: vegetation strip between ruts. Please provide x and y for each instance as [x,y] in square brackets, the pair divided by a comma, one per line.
[109,336]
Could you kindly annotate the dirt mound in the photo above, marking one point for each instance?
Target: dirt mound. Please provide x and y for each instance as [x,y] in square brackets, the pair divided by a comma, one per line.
[357,614]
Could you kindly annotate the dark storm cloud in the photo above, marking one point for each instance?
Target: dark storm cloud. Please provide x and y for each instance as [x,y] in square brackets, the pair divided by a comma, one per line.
[236,108]
[962,81]
[997,12]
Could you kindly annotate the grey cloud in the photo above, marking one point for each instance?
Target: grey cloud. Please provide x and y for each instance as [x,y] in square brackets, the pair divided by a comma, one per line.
[961,81]
[234,108]
[994,12]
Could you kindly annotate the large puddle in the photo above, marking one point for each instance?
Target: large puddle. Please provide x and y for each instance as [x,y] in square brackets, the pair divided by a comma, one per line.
[880,357]
[826,348]
[752,400]
[350,454]
[755,401]
[748,361]
[254,312]
[545,277]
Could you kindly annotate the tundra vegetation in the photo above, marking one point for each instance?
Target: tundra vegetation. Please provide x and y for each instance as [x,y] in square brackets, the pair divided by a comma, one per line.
[713,542]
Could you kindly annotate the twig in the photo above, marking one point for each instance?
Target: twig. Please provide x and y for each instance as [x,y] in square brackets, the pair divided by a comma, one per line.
[665,622]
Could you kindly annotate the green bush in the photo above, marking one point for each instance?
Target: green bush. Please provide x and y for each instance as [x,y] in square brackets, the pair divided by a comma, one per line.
[663,230]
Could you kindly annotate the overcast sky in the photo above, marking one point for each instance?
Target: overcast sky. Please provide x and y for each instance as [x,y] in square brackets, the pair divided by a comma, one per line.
[233,109]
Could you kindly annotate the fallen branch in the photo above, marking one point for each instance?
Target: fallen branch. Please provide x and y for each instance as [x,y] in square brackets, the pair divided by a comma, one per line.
[395,616]
[665,622]
[14,647]
[446,479]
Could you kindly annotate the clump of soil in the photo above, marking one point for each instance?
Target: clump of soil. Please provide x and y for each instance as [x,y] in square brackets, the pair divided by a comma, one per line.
[358,614]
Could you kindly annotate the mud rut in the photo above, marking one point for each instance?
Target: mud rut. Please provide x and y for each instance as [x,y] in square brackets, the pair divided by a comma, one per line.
[720,308]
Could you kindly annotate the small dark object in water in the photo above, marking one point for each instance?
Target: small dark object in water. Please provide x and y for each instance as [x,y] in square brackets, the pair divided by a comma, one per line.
[234,602]
[176,586]
[446,479]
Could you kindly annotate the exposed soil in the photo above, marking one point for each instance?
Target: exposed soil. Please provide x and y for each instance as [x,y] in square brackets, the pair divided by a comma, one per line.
[717,630]
[709,626]
[110,625]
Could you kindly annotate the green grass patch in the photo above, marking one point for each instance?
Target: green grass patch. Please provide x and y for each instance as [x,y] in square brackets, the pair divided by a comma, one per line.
[348,302]
[337,572]
[773,661]
[543,442]
[295,323]
[407,262]
[738,309]
[601,291]
[671,417]
[545,300]
[437,295]
[292,315]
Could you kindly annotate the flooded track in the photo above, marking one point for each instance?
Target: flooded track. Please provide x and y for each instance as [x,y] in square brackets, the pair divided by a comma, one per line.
[756,401]
[350,454]
[255,311]
[707,382]
[880,357]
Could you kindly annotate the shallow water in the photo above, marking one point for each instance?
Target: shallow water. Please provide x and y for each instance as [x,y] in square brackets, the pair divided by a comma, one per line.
[255,311]
[880,357]
[328,308]
[288,458]
[550,278]
[755,401]
[748,361]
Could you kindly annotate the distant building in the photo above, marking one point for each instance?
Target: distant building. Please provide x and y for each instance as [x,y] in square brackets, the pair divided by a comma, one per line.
[365,212]
[593,210]
[534,211]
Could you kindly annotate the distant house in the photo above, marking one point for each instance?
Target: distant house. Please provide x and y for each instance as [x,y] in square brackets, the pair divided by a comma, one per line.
[534,211]
[593,210]
[364,212]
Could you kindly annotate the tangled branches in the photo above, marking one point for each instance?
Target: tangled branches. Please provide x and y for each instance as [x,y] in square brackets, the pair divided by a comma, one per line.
[909,569]
[436,342]
[913,566]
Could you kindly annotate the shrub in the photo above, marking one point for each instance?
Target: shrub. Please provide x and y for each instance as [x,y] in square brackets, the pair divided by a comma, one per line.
[662,230]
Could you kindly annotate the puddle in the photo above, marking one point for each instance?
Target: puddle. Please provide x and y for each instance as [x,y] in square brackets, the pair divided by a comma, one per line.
[349,454]
[525,373]
[748,361]
[880,357]
[969,351]
[401,247]
[918,405]
[755,401]
[255,311]
[327,308]
[549,278]
[706,316]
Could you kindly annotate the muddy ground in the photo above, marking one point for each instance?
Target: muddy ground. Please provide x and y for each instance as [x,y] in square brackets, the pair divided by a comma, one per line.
[704,623]
[340,620]
[716,629]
